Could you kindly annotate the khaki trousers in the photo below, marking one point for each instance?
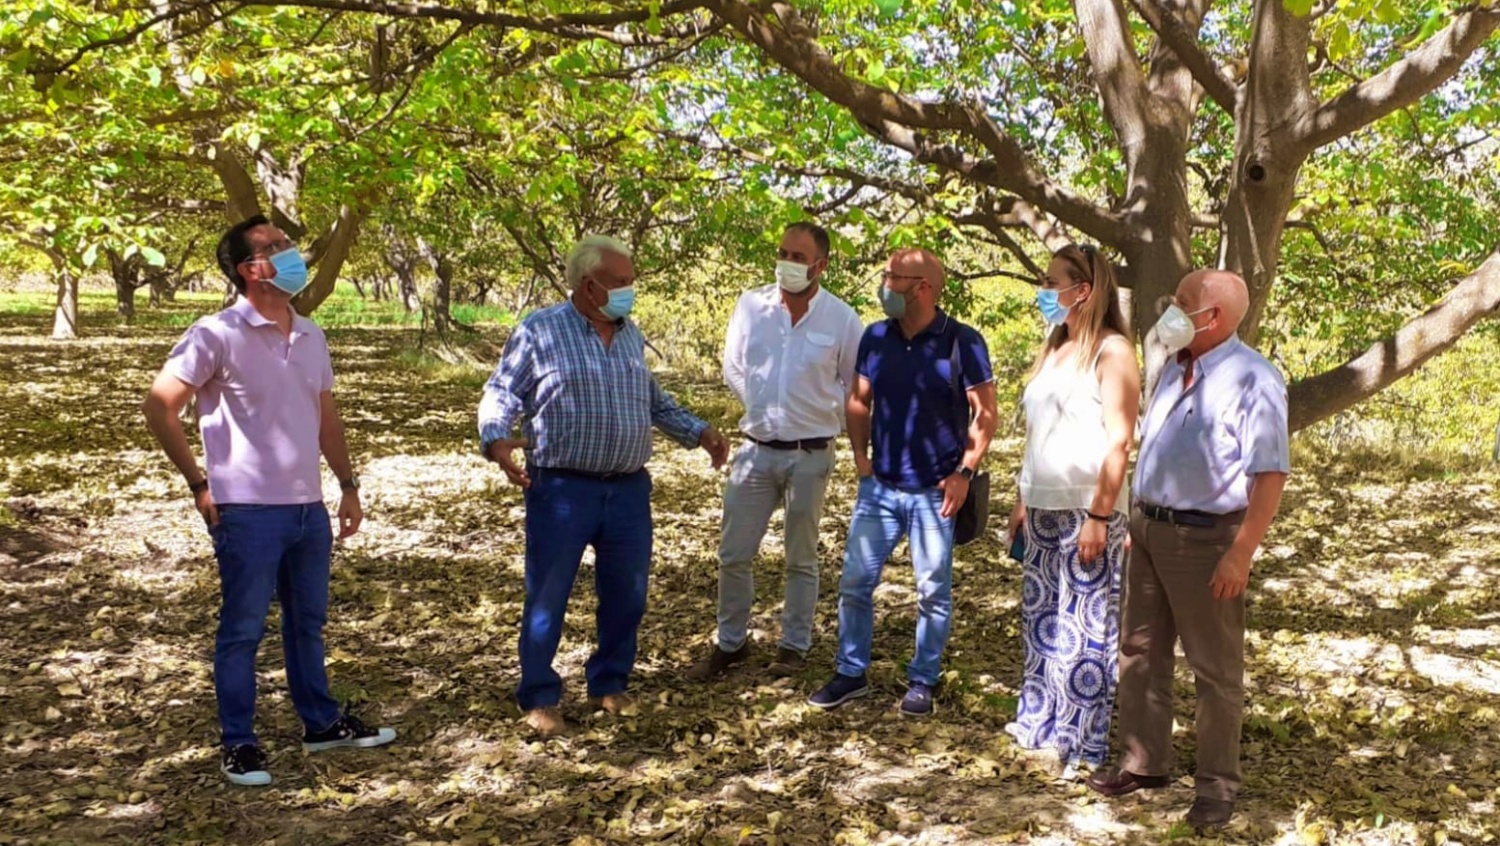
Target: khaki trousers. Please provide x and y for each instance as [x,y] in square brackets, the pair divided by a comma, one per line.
[1167,596]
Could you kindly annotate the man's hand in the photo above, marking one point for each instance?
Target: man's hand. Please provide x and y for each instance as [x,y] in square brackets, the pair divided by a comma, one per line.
[716,445]
[863,466]
[1232,574]
[1092,539]
[955,490]
[502,453]
[204,502]
[351,514]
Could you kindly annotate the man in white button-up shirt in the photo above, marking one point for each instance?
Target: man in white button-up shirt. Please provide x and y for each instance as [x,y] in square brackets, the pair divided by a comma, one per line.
[789,357]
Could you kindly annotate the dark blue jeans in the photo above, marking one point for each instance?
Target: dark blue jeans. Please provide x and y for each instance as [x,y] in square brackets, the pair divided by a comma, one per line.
[265,551]
[565,514]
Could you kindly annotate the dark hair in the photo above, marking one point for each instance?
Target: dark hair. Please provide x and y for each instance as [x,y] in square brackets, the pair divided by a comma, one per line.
[234,249]
[818,233]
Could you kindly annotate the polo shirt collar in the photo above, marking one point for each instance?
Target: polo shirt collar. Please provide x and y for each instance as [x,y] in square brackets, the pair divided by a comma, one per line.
[247,312]
[938,326]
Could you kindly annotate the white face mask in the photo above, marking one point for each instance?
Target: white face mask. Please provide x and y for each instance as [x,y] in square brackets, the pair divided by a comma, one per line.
[792,277]
[1175,327]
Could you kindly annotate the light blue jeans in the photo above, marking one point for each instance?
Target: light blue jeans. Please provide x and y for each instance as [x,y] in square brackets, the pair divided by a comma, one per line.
[883,515]
[761,480]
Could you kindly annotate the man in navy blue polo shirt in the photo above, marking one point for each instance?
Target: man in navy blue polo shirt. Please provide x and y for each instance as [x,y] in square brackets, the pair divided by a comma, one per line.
[916,446]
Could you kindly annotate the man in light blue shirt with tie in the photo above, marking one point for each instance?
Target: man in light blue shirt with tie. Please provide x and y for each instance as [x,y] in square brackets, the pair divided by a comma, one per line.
[1213,463]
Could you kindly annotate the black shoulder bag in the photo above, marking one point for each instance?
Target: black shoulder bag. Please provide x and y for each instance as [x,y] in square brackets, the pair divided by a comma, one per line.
[974,514]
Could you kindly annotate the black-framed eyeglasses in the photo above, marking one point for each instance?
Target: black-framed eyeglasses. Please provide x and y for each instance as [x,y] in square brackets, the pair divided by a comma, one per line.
[886,276]
[272,249]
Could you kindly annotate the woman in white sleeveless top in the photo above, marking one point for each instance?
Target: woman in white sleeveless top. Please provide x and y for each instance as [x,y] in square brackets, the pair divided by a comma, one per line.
[1081,405]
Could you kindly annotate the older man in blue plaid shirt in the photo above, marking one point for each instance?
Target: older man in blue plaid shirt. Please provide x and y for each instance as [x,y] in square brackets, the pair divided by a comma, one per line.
[575,374]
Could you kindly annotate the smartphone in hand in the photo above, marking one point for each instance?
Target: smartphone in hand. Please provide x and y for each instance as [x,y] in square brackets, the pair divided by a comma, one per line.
[1018,546]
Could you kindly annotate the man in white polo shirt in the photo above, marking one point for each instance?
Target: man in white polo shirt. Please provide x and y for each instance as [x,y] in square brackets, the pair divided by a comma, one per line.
[789,357]
[264,384]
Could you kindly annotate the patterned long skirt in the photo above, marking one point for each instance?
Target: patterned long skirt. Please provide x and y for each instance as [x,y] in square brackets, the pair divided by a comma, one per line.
[1070,615]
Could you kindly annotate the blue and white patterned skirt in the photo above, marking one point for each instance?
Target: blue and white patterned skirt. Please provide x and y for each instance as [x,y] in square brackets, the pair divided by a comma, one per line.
[1070,623]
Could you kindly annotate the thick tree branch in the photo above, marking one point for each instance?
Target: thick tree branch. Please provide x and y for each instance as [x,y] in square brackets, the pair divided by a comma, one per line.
[1116,70]
[1404,82]
[898,119]
[1476,297]
[1182,41]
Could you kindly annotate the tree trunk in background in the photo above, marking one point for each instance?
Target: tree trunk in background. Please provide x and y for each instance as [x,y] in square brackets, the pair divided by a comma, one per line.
[126,273]
[442,319]
[65,316]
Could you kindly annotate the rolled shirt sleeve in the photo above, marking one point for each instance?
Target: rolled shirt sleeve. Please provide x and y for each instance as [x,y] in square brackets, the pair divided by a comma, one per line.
[507,390]
[673,420]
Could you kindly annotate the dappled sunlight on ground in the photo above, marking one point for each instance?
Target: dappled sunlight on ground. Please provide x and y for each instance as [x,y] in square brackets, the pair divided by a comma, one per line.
[1373,697]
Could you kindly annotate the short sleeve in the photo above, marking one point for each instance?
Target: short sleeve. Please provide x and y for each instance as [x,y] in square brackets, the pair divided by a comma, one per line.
[862,358]
[1264,440]
[974,358]
[326,375]
[196,357]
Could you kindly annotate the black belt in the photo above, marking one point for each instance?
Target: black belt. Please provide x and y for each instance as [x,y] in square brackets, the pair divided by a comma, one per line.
[1199,519]
[592,476]
[806,444]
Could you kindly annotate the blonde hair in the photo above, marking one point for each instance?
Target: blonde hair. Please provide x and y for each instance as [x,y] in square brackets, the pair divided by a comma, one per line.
[1099,313]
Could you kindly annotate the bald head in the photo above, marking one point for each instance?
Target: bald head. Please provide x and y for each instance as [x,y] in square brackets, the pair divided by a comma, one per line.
[1223,292]
[912,261]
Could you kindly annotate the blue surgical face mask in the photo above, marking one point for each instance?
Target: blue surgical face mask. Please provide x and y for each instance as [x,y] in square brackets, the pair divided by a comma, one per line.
[1053,311]
[620,302]
[291,271]
[893,303]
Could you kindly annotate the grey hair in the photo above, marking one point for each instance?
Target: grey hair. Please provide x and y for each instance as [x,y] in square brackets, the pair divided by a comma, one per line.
[588,254]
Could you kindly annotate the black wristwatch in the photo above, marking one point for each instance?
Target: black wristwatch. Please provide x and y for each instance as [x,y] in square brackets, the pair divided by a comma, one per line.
[966,472]
[349,484]
[198,487]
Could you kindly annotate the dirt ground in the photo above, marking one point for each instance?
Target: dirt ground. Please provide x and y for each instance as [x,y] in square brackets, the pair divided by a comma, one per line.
[1374,654]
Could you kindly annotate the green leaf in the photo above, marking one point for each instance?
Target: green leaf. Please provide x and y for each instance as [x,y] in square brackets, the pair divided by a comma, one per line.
[1300,8]
[153,257]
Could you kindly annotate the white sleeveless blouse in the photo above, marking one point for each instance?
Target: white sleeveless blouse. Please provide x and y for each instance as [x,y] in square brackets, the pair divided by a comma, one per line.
[1066,440]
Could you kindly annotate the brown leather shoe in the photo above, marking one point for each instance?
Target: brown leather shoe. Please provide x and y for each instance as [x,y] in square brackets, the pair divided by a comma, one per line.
[1209,813]
[717,663]
[546,721]
[788,663]
[1118,782]
[617,704]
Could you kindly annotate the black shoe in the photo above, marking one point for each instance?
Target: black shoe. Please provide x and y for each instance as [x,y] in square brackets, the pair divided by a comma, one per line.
[1119,782]
[347,731]
[918,700]
[718,662]
[1209,813]
[788,663]
[245,765]
[838,691]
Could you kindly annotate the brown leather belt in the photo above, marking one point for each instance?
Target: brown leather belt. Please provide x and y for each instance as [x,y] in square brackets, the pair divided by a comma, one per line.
[1184,517]
[806,444]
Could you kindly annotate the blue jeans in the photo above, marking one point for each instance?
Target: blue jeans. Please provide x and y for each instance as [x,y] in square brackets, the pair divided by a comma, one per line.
[265,551]
[564,514]
[882,516]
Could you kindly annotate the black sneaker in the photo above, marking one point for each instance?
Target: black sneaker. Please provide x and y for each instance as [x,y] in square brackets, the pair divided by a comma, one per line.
[838,691]
[918,700]
[347,731]
[717,663]
[245,765]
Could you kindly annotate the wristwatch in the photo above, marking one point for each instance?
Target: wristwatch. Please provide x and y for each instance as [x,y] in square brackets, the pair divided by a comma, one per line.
[966,472]
[349,484]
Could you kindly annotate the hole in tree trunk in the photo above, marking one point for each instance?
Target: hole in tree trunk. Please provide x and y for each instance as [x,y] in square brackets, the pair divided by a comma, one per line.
[1255,172]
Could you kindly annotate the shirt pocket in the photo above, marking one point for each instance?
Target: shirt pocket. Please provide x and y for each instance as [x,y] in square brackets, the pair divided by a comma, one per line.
[819,350]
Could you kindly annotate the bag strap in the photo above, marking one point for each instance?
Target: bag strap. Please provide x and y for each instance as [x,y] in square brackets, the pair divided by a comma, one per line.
[955,372]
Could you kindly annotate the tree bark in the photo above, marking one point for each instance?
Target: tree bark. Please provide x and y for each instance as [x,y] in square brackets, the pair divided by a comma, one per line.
[442,268]
[1476,297]
[65,315]
[340,243]
[126,273]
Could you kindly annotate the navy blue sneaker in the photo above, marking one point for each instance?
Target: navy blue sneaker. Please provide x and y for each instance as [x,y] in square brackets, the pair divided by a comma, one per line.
[838,691]
[918,700]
